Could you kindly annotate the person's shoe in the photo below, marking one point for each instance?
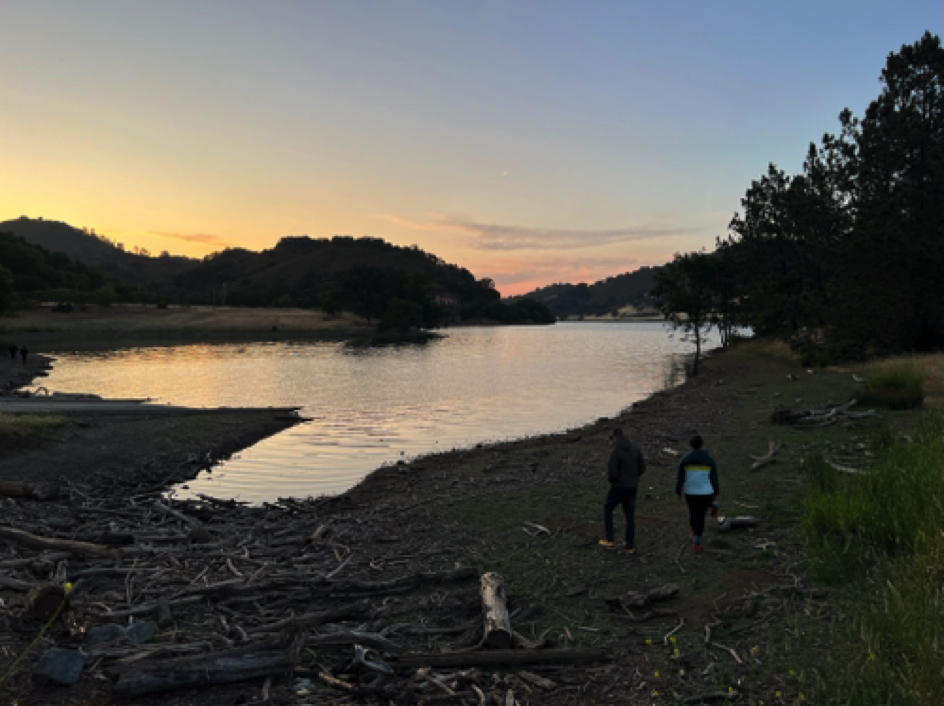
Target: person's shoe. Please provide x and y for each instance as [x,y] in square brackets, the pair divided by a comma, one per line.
[607,544]
[697,548]
[629,551]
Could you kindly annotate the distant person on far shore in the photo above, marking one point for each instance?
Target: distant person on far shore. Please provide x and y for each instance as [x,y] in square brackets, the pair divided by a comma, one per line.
[625,466]
[13,350]
[24,353]
[698,479]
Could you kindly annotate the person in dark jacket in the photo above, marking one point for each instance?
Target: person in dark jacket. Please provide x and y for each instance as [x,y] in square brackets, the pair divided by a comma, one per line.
[625,466]
[698,479]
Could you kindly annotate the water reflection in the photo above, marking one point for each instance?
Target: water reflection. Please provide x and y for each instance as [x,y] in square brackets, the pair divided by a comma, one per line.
[376,405]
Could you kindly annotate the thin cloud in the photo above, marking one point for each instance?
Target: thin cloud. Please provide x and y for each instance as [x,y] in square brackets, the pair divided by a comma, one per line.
[202,238]
[491,236]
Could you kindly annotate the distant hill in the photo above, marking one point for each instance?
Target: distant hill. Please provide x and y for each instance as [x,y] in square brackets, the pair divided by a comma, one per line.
[366,275]
[150,274]
[605,297]
[30,272]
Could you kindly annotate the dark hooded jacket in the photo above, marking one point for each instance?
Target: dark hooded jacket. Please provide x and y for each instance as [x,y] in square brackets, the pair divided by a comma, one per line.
[626,464]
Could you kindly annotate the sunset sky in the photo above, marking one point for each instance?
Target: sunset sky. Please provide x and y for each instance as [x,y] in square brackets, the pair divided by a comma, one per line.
[531,141]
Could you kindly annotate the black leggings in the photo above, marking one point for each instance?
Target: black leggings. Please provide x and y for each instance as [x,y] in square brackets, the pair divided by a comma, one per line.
[697,507]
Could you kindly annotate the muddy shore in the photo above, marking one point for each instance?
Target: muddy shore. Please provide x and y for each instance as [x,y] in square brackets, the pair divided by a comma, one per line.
[528,509]
[97,439]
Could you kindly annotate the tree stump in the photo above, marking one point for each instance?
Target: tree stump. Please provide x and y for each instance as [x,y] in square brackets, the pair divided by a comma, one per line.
[496,627]
[45,600]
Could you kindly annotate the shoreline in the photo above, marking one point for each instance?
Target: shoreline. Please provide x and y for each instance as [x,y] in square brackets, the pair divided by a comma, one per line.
[85,437]
[527,509]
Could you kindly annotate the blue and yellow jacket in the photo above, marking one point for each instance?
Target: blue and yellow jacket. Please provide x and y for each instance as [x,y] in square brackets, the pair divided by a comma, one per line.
[697,474]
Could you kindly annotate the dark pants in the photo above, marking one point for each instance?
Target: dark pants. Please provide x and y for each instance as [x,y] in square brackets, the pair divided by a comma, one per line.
[697,507]
[627,498]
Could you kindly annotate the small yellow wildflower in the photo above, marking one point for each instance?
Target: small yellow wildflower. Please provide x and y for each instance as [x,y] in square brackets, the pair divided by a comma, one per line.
[655,693]
[68,587]
[657,675]
[672,639]
[648,642]
[676,652]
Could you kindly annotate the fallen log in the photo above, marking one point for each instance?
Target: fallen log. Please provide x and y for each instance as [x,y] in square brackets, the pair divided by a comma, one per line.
[497,658]
[45,543]
[247,662]
[28,491]
[496,623]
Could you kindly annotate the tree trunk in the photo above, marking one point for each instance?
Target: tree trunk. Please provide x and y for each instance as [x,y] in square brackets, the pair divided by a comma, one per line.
[497,632]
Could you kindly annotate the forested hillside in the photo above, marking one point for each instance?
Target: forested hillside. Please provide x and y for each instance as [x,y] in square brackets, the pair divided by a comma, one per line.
[31,272]
[607,296]
[396,287]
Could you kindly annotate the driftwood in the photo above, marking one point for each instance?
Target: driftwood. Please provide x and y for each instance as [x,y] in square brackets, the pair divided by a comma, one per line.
[14,584]
[28,491]
[308,620]
[240,664]
[497,658]
[44,543]
[496,623]
[760,461]
[814,418]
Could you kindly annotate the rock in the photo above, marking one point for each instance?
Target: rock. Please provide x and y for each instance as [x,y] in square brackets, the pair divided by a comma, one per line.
[60,665]
[140,633]
[103,633]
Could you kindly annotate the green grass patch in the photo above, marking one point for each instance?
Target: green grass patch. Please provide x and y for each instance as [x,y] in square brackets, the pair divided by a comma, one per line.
[895,384]
[19,430]
[878,535]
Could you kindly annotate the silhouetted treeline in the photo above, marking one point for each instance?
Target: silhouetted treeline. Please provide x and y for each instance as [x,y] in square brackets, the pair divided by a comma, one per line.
[395,287]
[607,296]
[844,259]
[32,273]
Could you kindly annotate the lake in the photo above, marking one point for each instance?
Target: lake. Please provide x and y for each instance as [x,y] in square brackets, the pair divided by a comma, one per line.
[372,406]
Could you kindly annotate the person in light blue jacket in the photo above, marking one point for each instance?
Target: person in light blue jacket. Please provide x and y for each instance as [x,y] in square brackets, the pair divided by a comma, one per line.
[698,479]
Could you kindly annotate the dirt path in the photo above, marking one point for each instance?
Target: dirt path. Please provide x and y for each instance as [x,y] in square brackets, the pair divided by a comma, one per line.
[530,510]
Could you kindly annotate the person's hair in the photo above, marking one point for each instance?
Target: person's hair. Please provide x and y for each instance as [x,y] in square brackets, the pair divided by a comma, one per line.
[616,433]
[696,442]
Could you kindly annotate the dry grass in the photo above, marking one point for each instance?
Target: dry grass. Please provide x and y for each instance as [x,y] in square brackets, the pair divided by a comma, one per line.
[135,318]
[929,367]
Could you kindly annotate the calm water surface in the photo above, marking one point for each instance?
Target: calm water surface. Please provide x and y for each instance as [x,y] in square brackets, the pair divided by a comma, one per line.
[374,406]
